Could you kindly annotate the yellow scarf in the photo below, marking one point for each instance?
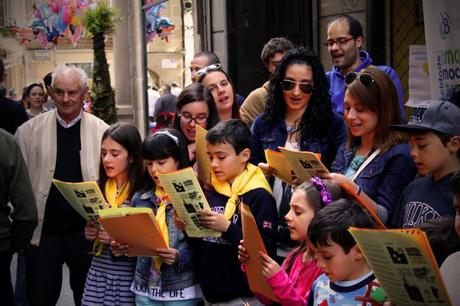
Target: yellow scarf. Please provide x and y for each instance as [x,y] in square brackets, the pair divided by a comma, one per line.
[162,201]
[251,178]
[114,198]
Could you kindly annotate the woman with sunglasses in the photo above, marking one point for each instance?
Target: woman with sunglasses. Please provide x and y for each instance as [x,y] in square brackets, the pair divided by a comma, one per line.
[194,106]
[298,116]
[217,81]
[375,160]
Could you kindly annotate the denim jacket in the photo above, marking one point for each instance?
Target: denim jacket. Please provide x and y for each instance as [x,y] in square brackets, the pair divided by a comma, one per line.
[384,178]
[267,136]
[181,274]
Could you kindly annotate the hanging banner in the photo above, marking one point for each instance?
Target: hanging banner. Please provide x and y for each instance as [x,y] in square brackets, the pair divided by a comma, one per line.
[442,35]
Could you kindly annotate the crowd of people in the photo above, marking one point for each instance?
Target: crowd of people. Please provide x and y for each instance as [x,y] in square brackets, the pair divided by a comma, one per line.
[405,171]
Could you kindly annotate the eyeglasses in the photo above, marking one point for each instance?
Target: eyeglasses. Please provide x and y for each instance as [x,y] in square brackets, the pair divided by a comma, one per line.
[341,41]
[306,88]
[200,74]
[187,117]
[364,78]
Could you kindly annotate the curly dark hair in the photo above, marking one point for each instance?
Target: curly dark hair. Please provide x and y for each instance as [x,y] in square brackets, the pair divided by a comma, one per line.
[316,118]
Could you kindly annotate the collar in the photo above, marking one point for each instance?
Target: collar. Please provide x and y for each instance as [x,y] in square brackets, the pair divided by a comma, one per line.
[365,62]
[348,286]
[66,125]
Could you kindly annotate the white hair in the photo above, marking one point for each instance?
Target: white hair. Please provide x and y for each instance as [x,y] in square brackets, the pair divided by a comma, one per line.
[68,69]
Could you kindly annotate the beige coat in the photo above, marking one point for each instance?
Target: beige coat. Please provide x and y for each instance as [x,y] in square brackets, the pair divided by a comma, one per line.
[254,105]
[37,140]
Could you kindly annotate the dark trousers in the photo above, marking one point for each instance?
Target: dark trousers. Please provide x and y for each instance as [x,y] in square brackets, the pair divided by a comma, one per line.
[44,267]
[6,288]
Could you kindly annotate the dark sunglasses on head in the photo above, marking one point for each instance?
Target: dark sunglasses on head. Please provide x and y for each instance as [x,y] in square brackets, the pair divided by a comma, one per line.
[364,78]
[306,88]
[200,74]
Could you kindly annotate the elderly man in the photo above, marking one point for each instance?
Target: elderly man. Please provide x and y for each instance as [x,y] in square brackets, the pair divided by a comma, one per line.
[345,39]
[63,144]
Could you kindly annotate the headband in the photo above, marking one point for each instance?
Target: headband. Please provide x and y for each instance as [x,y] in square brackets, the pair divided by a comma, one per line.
[168,133]
[326,196]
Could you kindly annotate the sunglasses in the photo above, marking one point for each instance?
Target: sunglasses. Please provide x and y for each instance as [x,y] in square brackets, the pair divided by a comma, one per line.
[364,78]
[306,88]
[200,74]
[341,41]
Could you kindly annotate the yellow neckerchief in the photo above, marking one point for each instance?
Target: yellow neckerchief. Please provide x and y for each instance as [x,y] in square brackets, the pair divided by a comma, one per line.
[251,178]
[162,200]
[114,198]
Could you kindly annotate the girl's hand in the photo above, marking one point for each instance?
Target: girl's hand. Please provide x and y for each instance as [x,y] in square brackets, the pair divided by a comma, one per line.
[213,220]
[267,170]
[90,230]
[269,266]
[169,256]
[243,255]
[119,249]
[104,237]
[179,223]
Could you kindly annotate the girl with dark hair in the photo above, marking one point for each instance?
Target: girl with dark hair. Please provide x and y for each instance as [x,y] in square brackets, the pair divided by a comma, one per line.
[291,282]
[194,106]
[173,269]
[298,116]
[121,168]
[376,159]
[218,82]
[34,97]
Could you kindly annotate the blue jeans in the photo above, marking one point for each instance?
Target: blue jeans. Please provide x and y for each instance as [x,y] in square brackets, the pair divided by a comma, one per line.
[145,301]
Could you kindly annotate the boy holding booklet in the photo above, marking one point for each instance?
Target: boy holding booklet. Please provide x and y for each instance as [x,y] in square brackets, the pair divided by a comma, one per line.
[234,181]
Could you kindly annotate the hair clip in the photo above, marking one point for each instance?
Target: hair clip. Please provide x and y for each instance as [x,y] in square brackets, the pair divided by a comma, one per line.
[326,196]
[168,133]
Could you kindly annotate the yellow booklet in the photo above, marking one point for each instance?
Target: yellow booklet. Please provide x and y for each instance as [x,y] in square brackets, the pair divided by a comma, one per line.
[403,262]
[304,165]
[187,197]
[254,243]
[201,154]
[85,197]
[135,226]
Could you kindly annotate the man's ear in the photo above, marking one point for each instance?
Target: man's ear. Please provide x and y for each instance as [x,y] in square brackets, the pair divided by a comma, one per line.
[359,41]
[245,154]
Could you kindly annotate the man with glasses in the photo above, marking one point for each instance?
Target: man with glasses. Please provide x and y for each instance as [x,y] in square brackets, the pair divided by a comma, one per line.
[344,42]
[271,55]
[63,144]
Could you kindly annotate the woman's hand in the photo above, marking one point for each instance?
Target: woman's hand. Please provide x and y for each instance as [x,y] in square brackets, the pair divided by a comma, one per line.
[213,220]
[269,266]
[104,237]
[169,256]
[267,170]
[243,255]
[179,223]
[119,249]
[337,178]
[90,230]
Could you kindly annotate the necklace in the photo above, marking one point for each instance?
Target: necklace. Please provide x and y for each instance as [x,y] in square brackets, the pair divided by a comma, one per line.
[292,128]
[358,160]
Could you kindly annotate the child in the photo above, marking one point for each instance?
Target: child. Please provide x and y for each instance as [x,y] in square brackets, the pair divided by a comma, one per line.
[234,181]
[449,268]
[108,282]
[168,279]
[292,281]
[434,132]
[347,274]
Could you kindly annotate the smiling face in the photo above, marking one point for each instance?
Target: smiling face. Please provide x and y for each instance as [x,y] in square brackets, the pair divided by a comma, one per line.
[162,166]
[360,120]
[196,110]
[225,163]
[345,56]
[296,100]
[68,95]
[115,160]
[36,97]
[299,216]
[222,92]
[338,265]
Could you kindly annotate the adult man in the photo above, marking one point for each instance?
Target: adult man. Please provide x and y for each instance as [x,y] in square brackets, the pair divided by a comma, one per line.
[63,144]
[12,113]
[344,41]
[14,188]
[49,105]
[271,55]
[167,102]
